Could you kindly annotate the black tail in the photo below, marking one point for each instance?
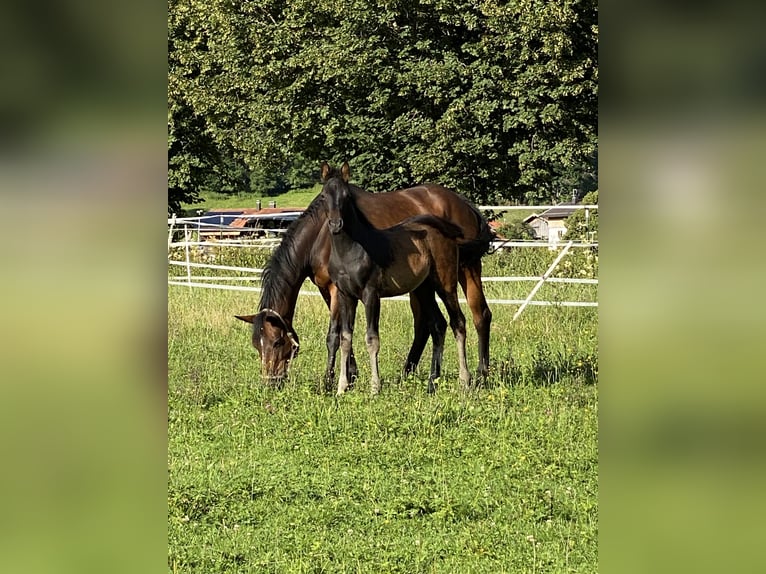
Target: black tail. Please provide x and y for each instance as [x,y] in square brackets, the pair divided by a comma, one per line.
[472,250]
[469,250]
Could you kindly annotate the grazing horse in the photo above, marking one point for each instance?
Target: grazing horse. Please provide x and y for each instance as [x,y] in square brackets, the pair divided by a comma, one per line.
[305,252]
[367,263]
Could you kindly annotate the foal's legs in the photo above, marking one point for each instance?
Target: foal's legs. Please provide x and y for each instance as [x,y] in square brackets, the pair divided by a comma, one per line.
[420,336]
[372,310]
[333,343]
[470,281]
[420,300]
[347,308]
[437,326]
[428,318]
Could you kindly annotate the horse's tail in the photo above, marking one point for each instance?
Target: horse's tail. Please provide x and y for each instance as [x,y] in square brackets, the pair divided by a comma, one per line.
[472,250]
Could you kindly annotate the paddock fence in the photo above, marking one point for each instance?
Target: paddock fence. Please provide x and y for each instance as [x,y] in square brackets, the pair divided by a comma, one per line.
[193,237]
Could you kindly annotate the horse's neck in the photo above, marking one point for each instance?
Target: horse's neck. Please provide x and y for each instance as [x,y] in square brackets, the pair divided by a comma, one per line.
[281,286]
[281,300]
[346,244]
[362,231]
[359,242]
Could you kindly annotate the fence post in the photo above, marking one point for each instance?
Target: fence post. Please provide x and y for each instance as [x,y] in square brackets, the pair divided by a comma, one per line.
[170,233]
[186,250]
[542,279]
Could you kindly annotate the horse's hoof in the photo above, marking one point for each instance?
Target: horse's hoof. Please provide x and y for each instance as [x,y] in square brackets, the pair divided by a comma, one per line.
[342,391]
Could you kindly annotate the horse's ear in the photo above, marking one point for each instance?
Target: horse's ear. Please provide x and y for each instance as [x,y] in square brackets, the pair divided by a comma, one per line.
[325,171]
[245,318]
[345,171]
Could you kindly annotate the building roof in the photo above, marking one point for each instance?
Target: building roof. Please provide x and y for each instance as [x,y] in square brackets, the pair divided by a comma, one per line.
[558,212]
[247,217]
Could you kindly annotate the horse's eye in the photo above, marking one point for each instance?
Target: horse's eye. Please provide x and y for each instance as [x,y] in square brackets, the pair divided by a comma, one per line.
[279,343]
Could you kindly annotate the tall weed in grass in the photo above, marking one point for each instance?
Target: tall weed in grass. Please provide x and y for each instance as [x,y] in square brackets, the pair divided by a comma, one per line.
[503,479]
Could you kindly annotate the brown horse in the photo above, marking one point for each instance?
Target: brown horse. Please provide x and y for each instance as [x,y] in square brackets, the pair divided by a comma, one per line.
[367,263]
[305,251]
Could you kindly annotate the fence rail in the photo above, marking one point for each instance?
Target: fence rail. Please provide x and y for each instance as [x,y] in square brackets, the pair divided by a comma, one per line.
[190,226]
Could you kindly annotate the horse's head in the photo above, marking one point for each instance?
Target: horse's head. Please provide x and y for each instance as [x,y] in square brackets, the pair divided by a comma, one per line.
[336,192]
[276,342]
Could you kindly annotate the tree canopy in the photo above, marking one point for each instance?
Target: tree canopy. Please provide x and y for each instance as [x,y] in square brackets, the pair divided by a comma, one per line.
[495,99]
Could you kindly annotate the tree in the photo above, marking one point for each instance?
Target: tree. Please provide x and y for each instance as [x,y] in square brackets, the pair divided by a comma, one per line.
[582,226]
[196,160]
[497,100]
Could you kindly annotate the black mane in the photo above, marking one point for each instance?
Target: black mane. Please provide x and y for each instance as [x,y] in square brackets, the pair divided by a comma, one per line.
[290,264]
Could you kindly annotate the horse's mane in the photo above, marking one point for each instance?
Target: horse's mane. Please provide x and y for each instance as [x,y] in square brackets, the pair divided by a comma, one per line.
[288,264]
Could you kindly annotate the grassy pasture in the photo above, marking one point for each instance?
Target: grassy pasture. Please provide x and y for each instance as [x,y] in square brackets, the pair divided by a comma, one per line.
[213,200]
[500,480]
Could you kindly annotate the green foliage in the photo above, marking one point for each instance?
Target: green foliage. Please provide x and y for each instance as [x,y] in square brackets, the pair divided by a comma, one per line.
[497,100]
[582,225]
[298,173]
[196,160]
[292,198]
[512,226]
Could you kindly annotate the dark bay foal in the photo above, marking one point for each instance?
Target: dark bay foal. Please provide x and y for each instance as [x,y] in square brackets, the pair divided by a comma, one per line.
[367,263]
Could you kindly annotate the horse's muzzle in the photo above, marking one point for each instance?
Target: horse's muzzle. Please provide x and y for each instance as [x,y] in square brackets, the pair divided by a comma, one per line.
[335,225]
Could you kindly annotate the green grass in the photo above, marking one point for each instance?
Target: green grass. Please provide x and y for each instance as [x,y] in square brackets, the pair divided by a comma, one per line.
[212,200]
[266,480]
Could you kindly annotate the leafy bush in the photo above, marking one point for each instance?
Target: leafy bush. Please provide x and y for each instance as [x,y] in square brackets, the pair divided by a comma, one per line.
[582,225]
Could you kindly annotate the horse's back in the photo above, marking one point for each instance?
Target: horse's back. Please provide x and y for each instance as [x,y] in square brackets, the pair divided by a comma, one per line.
[389,208]
[392,207]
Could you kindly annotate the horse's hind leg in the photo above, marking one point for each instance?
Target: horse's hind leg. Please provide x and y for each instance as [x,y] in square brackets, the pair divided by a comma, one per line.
[470,281]
[457,322]
[437,325]
[420,337]
[428,319]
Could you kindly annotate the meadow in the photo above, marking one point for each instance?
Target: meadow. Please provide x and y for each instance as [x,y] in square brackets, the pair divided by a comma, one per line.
[502,479]
[300,197]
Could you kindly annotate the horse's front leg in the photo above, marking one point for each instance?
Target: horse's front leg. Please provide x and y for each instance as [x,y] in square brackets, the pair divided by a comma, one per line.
[372,310]
[333,343]
[347,308]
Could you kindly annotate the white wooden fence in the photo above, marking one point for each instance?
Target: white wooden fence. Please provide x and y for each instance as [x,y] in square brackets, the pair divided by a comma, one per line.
[192,225]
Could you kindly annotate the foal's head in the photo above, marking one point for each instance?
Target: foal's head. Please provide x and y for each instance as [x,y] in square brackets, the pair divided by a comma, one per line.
[336,192]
